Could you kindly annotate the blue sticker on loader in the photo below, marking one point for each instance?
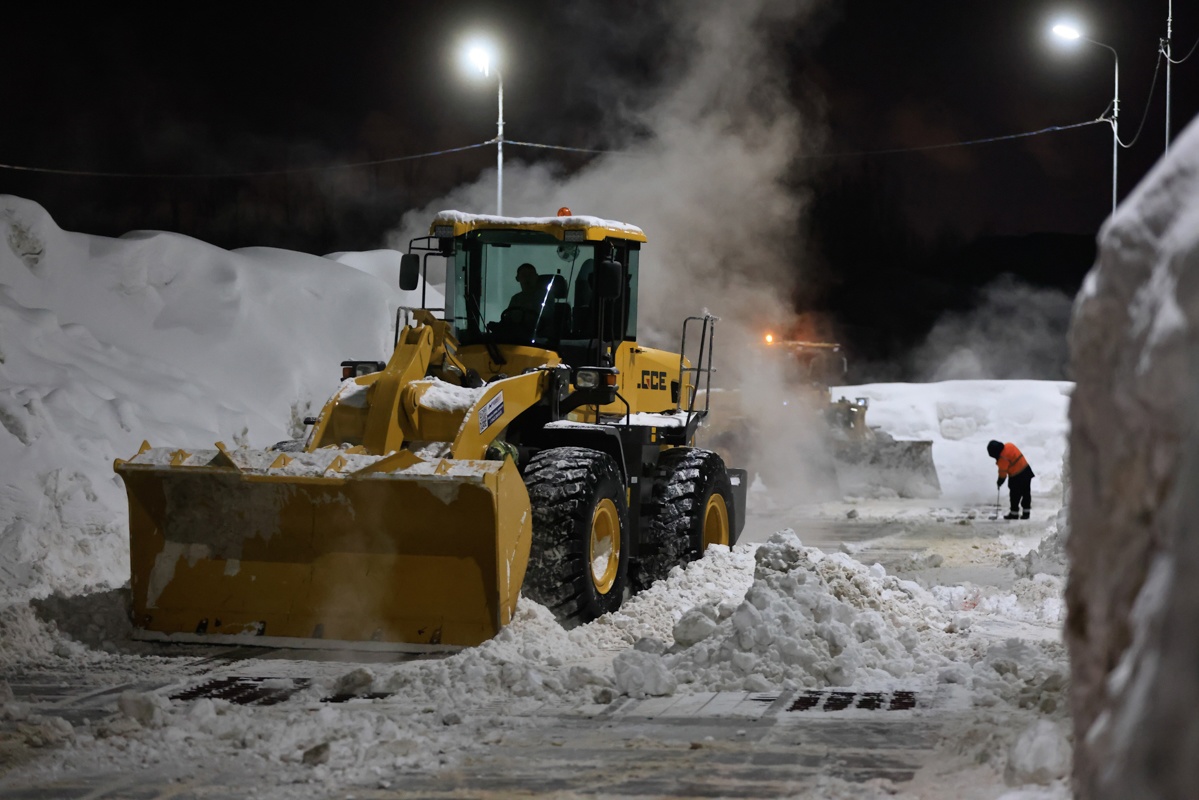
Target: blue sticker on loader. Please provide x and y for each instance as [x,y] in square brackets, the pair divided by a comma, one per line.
[492,410]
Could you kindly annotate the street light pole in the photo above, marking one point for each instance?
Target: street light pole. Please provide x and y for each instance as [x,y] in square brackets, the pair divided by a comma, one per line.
[1115,122]
[1166,51]
[499,151]
[480,56]
[1068,32]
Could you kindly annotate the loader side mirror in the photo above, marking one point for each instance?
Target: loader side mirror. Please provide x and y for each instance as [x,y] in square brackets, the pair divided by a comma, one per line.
[609,279]
[409,271]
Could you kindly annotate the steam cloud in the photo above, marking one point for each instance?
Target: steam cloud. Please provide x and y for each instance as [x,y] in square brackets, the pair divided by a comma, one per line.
[709,177]
[1015,332]
[706,178]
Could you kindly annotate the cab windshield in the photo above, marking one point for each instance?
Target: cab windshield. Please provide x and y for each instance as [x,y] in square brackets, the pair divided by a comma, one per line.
[527,287]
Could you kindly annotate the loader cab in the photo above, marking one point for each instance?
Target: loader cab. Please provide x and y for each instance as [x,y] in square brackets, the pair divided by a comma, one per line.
[530,288]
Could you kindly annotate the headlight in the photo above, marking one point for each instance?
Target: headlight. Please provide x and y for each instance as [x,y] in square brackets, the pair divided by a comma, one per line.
[596,379]
[574,235]
[443,231]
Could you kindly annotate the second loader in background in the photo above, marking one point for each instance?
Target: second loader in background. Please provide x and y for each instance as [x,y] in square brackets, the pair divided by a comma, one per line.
[844,455]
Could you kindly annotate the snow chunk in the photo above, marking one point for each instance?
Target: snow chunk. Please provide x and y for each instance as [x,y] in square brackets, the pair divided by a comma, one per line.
[641,674]
[1041,754]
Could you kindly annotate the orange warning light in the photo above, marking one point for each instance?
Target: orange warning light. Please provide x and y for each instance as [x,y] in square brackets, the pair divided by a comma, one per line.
[770,338]
[564,212]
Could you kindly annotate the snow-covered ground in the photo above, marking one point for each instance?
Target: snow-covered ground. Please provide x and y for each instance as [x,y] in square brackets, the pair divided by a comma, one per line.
[106,342]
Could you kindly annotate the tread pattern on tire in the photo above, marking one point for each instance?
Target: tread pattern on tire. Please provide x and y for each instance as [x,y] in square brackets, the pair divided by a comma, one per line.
[564,484]
[684,479]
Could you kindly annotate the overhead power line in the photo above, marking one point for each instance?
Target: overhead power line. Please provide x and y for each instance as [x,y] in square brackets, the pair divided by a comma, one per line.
[258,174]
[968,143]
[560,147]
[396,159]
[1188,55]
[1148,101]
[918,149]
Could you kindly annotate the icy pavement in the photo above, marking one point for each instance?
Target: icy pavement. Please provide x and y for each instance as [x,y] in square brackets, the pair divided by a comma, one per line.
[825,743]
[902,650]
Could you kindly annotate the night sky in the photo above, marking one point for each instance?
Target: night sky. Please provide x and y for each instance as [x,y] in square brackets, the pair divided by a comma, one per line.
[269,86]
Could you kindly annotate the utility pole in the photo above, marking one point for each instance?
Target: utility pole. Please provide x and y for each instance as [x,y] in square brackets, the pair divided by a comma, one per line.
[1166,51]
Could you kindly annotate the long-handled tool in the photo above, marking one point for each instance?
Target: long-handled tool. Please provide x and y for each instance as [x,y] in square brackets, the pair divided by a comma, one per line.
[996,514]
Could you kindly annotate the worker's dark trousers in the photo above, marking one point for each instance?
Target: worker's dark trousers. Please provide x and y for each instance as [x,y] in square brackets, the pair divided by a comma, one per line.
[1020,485]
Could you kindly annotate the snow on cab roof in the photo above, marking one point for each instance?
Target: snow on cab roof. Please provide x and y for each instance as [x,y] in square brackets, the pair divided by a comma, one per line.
[594,228]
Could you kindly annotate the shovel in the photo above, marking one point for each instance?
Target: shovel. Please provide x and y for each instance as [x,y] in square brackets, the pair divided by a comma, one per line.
[996,514]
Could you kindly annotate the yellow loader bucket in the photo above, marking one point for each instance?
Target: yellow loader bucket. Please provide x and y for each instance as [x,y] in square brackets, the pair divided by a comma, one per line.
[420,556]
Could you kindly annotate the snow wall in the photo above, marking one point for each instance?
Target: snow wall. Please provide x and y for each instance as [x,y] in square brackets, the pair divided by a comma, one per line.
[105,342]
[1134,458]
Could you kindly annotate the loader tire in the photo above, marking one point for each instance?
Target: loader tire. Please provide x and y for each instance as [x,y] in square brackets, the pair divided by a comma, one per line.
[691,507]
[580,514]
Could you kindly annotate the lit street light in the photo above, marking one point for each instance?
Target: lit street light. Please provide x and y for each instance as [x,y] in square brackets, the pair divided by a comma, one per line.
[1070,33]
[480,57]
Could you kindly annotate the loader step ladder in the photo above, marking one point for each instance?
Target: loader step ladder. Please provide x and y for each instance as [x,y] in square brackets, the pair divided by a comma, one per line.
[701,371]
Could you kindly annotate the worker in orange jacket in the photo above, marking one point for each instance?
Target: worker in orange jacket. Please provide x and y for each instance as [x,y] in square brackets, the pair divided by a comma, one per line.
[1013,467]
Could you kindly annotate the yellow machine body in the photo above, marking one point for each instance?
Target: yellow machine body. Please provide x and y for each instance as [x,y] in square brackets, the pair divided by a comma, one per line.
[402,520]
[357,539]
[385,556]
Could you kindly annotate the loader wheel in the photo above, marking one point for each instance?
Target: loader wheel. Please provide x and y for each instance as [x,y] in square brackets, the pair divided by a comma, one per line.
[690,508]
[579,558]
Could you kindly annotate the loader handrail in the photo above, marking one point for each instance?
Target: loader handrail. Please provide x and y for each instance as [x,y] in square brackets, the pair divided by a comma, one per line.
[703,363]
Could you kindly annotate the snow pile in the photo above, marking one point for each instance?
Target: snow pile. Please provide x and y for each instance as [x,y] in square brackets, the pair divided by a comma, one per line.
[781,616]
[26,640]
[810,620]
[1049,557]
[1133,549]
[106,342]
[960,417]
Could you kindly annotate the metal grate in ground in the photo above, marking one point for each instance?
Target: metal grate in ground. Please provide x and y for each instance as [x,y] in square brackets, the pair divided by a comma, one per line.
[343,698]
[246,691]
[263,691]
[821,700]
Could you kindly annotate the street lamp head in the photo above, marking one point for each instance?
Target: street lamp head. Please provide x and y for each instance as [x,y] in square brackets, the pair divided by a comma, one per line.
[1066,31]
[479,59]
[480,56]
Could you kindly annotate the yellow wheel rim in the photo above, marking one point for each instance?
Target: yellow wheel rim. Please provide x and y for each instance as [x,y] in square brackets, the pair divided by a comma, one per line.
[716,521]
[604,555]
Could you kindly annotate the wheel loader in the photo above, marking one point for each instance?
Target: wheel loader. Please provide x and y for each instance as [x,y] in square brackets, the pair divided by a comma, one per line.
[508,447]
[844,455]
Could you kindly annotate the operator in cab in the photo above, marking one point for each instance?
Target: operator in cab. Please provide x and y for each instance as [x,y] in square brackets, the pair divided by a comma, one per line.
[527,302]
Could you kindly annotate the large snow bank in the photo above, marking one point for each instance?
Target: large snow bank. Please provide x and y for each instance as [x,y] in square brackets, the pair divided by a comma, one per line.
[1133,551]
[106,342]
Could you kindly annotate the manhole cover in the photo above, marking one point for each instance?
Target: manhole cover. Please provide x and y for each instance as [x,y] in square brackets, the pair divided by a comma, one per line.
[814,700]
